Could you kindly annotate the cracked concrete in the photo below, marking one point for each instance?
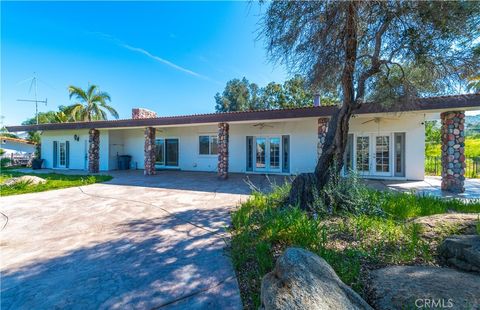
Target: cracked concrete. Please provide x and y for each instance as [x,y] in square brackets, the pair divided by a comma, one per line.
[133,242]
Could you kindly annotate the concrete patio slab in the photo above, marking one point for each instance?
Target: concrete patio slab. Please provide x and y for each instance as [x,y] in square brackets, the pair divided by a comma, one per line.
[134,242]
[431,186]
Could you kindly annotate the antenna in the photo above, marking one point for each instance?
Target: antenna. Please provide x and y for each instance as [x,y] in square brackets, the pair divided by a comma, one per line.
[34,83]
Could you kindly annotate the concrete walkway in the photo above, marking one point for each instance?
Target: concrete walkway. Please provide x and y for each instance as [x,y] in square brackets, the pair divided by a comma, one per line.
[134,242]
[431,186]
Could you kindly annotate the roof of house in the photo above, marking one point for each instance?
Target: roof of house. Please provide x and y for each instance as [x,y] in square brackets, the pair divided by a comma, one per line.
[19,140]
[454,102]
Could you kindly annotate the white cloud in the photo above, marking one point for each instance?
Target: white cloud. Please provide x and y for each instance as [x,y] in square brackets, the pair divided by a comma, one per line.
[163,61]
[152,56]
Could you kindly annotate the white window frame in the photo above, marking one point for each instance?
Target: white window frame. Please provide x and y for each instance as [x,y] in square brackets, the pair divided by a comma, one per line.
[372,136]
[210,142]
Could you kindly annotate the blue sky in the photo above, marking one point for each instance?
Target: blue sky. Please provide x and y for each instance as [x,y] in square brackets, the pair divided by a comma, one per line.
[171,57]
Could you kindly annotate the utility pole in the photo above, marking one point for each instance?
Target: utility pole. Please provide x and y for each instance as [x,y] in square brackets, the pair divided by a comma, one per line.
[34,83]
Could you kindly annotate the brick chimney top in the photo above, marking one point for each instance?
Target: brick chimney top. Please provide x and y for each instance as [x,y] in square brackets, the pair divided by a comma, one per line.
[316,100]
[138,113]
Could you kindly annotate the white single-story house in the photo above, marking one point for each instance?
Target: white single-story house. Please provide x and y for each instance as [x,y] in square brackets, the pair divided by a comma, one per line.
[16,146]
[385,141]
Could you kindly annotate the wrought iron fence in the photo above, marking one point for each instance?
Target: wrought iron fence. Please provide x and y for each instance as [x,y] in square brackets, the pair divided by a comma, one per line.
[433,166]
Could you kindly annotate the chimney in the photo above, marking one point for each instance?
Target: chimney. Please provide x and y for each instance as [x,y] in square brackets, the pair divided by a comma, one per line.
[316,100]
[138,113]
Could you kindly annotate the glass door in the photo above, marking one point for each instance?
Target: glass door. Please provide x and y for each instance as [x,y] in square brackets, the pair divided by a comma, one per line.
[363,155]
[171,152]
[160,152]
[166,152]
[381,155]
[260,156]
[268,154]
[274,154]
[62,155]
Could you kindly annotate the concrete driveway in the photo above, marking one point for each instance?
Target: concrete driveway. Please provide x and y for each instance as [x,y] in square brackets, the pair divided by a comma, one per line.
[134,242]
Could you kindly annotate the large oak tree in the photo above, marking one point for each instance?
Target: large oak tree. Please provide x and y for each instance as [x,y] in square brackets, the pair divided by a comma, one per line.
[371,52]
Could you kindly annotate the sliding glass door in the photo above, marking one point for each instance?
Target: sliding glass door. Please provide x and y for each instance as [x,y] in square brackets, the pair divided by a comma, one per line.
[166,152]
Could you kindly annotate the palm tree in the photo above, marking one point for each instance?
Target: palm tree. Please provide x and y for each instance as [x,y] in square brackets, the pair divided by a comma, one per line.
[92,105]
[474,84]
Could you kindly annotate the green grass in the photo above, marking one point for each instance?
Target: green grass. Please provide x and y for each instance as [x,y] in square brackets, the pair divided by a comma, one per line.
[262,228]
[472,148]
[54,181]
[472,151]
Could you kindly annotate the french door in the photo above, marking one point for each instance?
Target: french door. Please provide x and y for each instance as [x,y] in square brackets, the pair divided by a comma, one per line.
[267,154]
[62,155]
[381,155]
[373,155]
[166,152]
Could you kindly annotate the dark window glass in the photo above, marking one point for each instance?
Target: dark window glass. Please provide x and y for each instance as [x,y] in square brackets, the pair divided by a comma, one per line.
[160,152]
[286,153]
[213,145]
[204,142]
[249,153]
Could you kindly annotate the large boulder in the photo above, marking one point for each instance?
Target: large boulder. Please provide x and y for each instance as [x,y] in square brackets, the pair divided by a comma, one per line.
[462,252]
[440,224]
[413,287]
[27,179]
[303,280]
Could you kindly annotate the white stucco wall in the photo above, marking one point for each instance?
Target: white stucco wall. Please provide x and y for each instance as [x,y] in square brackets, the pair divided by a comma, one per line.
[78,149]
[13,147]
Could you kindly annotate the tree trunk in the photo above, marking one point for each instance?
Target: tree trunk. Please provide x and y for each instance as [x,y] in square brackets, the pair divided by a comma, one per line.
[303,189]
[302,193]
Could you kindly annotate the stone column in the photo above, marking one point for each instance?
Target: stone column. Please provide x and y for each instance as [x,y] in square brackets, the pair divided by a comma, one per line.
[322,134]
[223,129]
[149,151]
[93,150]
[453,151]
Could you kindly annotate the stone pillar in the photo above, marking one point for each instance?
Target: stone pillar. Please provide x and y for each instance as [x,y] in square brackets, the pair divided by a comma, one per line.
[93,150]
[149,151]
[223,150]
[453,151]
[322,134]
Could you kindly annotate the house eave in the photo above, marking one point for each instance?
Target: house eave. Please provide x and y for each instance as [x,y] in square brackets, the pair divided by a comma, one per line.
[425,105]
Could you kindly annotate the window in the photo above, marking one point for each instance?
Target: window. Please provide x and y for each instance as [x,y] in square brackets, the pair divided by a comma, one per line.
[208,145]
[399,154]
[286,151]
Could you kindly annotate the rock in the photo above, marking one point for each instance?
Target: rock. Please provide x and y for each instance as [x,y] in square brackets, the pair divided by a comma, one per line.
[303,280]
[29,179]
[457,223]
[413,287]
[462,252]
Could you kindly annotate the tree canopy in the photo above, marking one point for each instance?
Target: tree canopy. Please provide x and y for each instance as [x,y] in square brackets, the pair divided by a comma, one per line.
[370,51]
[407,47]
[241,95]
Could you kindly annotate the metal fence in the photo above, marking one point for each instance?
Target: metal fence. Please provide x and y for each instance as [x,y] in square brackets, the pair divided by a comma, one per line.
[18,159]
[433,166]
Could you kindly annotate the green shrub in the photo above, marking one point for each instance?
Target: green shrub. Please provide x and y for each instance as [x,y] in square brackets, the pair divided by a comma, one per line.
[345,195]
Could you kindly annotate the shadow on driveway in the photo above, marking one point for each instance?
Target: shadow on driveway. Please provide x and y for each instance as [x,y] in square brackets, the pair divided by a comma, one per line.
[159,262]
